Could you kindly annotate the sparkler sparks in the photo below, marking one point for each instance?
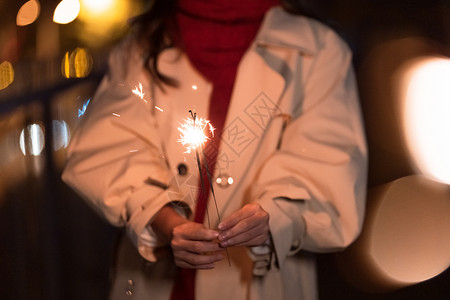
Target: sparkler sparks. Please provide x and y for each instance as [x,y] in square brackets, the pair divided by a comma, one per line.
[192,132]
[140,93]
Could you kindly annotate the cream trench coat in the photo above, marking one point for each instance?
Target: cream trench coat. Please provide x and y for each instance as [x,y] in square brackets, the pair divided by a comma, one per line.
[293,142]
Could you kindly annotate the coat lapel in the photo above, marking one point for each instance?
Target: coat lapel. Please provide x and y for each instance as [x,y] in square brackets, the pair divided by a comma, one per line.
[254,104]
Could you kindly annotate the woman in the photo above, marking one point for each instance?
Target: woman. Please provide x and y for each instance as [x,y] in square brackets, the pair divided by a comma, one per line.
[288,157]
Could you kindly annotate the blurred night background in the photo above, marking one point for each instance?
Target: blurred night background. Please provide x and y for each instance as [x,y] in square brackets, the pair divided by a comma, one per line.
[53,246]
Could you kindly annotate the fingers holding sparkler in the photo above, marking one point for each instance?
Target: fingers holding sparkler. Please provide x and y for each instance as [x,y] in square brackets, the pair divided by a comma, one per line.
[248,226]
[195,247]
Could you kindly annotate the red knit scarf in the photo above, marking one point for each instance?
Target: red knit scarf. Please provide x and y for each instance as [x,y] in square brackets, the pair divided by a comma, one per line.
[215,35]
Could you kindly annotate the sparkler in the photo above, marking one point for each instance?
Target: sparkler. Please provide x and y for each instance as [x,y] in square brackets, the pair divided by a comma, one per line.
[193,137]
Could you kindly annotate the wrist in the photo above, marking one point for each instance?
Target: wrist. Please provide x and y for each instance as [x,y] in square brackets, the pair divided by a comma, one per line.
[165,221]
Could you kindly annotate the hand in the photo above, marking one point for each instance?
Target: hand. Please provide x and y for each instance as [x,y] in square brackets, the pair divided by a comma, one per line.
[249,226]
[193,246]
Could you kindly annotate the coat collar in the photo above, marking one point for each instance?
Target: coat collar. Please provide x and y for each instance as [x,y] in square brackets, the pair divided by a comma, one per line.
[284,30]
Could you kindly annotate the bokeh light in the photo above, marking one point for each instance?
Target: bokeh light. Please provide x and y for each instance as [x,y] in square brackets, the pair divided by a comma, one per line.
[28,13]
[61,135]
[66,11]
[405,239]
[426,115]
[32,140]
[77,64]
[6,74]
[97,7]
[113,16]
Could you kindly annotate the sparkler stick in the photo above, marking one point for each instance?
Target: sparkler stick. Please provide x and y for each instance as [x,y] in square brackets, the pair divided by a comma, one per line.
[203,186]
[208,173]
[214,197]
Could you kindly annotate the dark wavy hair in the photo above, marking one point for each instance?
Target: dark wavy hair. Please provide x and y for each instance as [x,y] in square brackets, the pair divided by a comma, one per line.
[156,30]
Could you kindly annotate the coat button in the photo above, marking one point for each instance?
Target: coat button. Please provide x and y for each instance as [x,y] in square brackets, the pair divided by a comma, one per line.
[224,180]
[182,169]
[129,288]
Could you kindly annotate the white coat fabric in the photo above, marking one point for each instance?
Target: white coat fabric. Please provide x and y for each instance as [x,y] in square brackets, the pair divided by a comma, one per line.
[293,142]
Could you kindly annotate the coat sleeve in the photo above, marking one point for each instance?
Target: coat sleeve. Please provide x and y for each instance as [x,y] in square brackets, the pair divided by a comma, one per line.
[115,160]
[314,185]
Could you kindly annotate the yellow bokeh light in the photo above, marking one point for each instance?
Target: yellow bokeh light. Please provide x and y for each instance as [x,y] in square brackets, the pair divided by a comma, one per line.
[6,74]
[82,61]
[66,11]
[77,64]
[28,13]
[65,65]
[97,7]
[426,116]
[113,16]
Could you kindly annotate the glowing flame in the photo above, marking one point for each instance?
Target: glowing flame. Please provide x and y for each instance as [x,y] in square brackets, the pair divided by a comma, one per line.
[192,132]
